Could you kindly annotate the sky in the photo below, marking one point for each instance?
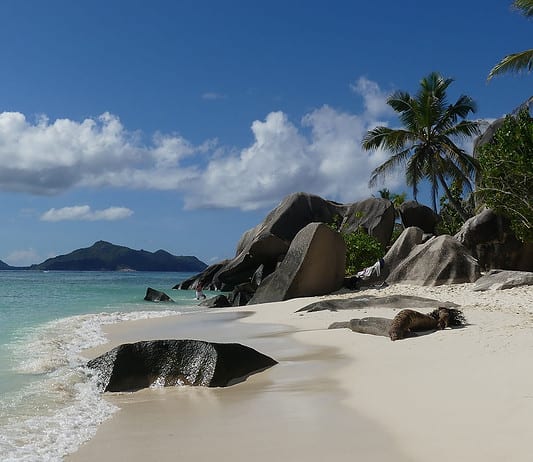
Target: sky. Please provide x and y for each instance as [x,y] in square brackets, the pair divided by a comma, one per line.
[178,125]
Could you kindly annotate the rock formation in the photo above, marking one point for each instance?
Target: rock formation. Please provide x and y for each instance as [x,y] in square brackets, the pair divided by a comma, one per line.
[490,239]
[501,279]
[139,365]
[314,265]
[414,214]
[374,215]
[262,248]
[440,260]
[153,295]
[371,301]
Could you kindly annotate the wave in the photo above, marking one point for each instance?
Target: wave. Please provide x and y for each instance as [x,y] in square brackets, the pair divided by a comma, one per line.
[59,407]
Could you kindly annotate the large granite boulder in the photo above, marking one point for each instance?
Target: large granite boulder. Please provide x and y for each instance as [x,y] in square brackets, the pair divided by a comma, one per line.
[414,214]
[143,364]
[375,215]
[153,295]
[400,250]
[441,260]
[314,265]
[491,240]
[501,279]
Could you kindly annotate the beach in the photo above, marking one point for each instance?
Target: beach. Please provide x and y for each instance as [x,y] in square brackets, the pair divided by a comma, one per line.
[456,394]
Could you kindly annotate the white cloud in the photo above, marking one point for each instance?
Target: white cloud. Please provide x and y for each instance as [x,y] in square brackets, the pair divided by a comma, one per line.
[374,99]
[212,96]
[84,213]
[24,257]
[320,154]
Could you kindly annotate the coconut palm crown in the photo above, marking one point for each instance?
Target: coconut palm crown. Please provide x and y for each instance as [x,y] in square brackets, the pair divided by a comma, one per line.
[425,145]
[516,62]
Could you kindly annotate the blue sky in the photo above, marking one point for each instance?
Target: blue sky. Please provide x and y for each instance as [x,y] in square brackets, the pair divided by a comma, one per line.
[180,124]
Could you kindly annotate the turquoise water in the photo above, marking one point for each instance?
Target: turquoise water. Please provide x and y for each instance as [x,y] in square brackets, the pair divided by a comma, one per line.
[48,405]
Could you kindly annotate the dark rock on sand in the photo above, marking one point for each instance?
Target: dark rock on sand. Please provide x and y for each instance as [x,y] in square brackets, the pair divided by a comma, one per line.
[139,365]
[414,214]
[370,301]
[153,295]
[502,279]
[314,265]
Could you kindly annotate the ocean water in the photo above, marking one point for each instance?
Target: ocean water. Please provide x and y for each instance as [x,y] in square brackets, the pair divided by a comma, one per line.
[48,403]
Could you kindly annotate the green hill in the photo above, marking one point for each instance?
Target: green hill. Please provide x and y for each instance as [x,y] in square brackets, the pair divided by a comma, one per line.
[104,256]
[4,266]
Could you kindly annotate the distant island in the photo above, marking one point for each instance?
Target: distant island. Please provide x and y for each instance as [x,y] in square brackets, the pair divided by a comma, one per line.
[104,256]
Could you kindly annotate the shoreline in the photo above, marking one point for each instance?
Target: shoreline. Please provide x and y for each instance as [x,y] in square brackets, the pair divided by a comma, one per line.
[460,394]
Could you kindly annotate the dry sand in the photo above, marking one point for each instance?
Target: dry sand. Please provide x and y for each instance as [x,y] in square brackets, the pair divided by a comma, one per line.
[454,395]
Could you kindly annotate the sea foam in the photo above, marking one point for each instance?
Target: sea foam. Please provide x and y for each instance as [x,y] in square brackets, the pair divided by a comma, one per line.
[59,407]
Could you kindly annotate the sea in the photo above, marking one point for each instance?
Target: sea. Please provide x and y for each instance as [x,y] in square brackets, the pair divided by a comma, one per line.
[49,403]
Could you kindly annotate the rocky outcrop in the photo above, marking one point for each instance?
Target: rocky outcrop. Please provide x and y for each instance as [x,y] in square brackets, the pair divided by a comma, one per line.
[153,295]
[139,365]
[262,248]
[441,260]
[375,216]
[371,301]
[314,265]
[491,240]
[205,278]
[414,214]
[501,279]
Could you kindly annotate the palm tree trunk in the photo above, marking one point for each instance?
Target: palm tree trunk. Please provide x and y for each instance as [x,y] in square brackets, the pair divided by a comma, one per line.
[455,203]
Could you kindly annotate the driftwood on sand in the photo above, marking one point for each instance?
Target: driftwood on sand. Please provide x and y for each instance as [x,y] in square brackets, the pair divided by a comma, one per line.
[406,323]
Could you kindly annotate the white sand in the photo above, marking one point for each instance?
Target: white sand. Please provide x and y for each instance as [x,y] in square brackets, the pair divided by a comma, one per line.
[454,395]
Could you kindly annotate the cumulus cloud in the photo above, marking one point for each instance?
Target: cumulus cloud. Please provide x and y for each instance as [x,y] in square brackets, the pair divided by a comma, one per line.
[320,153]
[84,213]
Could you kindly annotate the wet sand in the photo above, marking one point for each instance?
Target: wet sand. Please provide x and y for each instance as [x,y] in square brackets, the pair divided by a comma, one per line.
[461,394]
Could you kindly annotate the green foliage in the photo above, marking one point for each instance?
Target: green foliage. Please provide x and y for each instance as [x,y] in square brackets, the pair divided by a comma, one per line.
[396,199]
[506,184]
[362,250]
[451,221]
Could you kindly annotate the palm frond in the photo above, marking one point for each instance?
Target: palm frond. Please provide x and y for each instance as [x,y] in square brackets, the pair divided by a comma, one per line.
[388,166]
[459,110]
[515,62]
[525,6]
[464,129]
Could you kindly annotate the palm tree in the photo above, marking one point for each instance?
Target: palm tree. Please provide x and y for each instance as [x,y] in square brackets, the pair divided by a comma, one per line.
[516,62]
[425,143]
